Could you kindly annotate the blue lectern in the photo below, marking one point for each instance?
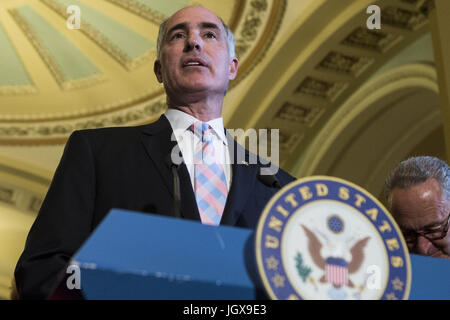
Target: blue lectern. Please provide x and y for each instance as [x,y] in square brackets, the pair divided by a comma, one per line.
[142,256]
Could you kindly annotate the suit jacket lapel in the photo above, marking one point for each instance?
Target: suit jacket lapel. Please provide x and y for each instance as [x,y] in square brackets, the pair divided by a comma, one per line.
[189,208]
[243,179]
[157,141]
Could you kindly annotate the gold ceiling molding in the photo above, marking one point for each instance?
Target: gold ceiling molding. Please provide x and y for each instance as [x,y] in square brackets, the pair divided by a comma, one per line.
[57,132]
[403,18]
[49,60]
[98,37]
[299,114]
[248,33]
[378,40]
[22,186]
[157,17]
[94,102]
[20,199]
[119,106]
[315,71]
[355,129]
[321,88]
[17,90]
[411,76]
[141,10]
[343,63]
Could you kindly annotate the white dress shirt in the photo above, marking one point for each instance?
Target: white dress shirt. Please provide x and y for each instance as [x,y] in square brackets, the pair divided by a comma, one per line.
[187,140]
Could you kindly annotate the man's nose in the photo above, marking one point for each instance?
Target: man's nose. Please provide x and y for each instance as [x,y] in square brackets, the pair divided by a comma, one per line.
[422,245]
[193,42]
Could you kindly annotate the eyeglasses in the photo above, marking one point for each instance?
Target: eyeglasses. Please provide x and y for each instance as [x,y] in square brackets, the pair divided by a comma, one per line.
[433,234]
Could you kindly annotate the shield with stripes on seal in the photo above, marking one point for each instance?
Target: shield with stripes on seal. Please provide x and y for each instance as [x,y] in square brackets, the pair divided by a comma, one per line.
[336,271]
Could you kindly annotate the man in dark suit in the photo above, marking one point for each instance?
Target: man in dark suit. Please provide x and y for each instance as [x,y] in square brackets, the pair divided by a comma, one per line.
[130,168]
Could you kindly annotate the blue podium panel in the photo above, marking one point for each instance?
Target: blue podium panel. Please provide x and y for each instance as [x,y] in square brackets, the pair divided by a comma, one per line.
[430,278]
[142,256]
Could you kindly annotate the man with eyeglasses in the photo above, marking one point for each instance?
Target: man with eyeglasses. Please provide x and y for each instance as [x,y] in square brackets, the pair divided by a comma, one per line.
[418,196]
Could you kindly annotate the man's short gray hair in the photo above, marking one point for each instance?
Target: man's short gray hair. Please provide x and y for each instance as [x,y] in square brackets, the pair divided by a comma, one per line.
[231,40]
[416,170]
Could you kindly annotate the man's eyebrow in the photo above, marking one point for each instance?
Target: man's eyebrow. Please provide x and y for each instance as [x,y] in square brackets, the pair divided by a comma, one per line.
[434,224]
[428,226]
[209,25]
[182,26]
[202,25]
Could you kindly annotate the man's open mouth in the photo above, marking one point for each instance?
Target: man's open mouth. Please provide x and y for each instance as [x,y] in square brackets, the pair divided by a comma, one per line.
[194,63]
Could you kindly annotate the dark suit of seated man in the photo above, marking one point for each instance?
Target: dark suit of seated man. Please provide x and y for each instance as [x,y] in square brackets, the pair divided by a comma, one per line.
[128,168]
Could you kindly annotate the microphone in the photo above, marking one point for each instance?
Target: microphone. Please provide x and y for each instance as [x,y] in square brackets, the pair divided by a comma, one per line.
[176,185]
[269,180]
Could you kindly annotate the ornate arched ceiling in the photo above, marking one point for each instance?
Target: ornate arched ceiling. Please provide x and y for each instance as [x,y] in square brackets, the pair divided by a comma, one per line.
[377,127]
[54,80]
[306,67]
[321,59]
[325,58]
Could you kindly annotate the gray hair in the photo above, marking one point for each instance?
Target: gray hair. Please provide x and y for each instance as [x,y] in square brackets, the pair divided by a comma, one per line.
[416,170]
[231,40]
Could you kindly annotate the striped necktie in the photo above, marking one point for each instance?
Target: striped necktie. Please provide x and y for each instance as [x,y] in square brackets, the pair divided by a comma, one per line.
[209,182]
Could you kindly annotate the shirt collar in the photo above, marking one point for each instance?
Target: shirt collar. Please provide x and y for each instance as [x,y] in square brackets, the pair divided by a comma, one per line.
[181,121]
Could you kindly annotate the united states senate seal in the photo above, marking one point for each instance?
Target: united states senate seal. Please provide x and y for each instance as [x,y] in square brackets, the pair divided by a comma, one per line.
[326,238]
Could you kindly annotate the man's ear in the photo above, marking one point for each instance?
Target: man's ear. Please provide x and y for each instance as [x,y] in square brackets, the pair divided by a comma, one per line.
[157,70]
[234,65]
